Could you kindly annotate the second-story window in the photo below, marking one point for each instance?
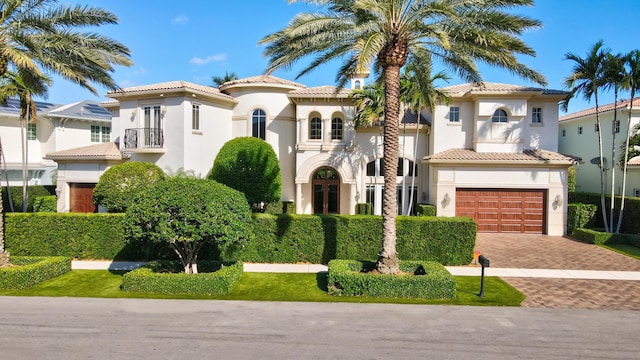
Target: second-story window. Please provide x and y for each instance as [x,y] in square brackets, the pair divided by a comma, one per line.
[580,130]
[616,127]
[100,133]
[315,129]
[336,129]
[195,117]
[31,131]
[500,116]
[454,114]
[536,115]
[259,124]
[564,132]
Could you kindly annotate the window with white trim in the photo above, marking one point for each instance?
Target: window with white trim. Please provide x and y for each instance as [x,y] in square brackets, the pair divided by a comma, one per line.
[536,115]
[636,192]
[195,116]
[31,131]
[454,114]
[337,131]
[315,129]
[500,116]
[100,134]
[616,127]
[580,130]
[564,132]
[259,124]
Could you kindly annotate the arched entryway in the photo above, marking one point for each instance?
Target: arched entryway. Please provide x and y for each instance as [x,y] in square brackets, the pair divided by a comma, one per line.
[326,191]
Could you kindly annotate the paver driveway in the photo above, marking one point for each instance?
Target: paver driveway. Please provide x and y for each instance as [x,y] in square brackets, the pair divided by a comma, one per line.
[550,252]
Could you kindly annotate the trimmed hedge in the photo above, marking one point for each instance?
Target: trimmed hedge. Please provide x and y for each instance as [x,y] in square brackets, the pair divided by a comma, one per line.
[580,216]
[45,204]
[34,191]
[32,270]
[430,280]
[600,238]
[426,210]
[630,225]
[364,209]
[165,277]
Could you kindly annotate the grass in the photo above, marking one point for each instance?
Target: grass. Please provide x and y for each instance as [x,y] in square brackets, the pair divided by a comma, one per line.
[267,287]
[628,250]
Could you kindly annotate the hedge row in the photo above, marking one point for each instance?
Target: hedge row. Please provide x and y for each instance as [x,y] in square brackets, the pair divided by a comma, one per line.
[165,277]
[580,216]
[630,225]
[34,191]
[318,239]
[600,238]
[45,204]
[426,210]
[278,239]
[32,270]
[429,280]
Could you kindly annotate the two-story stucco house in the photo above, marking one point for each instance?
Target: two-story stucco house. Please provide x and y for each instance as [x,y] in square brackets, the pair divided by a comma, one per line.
[491,154]
[578,136]
[57,127]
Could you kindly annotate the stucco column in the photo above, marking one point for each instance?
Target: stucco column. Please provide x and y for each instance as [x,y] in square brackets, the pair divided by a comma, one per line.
[298,198]
[352,199]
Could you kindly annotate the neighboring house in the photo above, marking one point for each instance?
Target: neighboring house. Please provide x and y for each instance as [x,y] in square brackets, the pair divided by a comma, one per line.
[578,136]
[58,127]
[490,155]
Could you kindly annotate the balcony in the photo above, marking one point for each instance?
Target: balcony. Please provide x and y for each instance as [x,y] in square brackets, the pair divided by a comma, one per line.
[144,140]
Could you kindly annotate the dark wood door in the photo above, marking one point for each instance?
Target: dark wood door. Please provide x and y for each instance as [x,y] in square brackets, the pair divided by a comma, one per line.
[326,191]
[81,198]
[503,210]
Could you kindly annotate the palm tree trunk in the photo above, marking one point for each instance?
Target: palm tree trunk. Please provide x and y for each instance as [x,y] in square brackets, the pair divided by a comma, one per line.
[24,165]
[388,258]
[415,159]
[613,157]
[603,205]
[624,165]
[4,256]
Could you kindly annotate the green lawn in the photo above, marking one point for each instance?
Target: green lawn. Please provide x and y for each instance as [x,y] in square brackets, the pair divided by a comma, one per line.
[267,287]
[628,250]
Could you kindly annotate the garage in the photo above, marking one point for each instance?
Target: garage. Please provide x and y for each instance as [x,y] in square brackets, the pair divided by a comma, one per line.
[81,198]
[503,210]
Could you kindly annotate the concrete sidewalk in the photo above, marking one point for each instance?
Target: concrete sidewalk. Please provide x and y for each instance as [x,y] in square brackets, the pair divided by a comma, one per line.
[455,270]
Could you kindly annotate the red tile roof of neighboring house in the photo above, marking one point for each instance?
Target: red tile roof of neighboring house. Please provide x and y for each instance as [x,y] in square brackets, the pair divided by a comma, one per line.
[102,151]
[168,86]
[635,161]
[470,155]
[261,80]
[321,91]
[602,108]
[490,87]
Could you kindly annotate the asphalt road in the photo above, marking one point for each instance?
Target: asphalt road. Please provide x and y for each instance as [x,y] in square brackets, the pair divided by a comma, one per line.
[79,328]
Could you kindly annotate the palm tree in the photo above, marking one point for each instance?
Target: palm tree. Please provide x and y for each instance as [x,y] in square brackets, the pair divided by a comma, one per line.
[587,77]
[4,256]
[219,80]
[614,77]
[369,103]
[25,85]
[632,64]
[42,36]
[384,33]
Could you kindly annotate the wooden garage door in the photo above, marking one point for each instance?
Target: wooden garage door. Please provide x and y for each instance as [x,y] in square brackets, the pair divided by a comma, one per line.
[500,210]
[81,198]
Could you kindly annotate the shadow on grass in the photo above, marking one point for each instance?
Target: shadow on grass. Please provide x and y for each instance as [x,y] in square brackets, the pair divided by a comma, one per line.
[322,280]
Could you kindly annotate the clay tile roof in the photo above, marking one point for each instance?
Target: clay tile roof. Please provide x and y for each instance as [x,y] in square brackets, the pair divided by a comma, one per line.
[168,86]
[603,108]
[321,91]
[635,161]
[490,87]
[102,151]
[261,80]
[470,155]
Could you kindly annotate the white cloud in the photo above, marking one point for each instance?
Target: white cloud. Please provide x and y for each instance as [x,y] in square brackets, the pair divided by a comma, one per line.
[180,20]
[126,83]
[213,58]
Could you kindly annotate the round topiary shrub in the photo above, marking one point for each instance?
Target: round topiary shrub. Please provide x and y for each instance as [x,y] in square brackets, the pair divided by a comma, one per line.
[187,213]
[120,184]
[250,166]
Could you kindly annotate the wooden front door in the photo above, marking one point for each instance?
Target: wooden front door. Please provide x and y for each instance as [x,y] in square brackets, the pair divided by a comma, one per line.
[326,191]
[503,210]
[81,198]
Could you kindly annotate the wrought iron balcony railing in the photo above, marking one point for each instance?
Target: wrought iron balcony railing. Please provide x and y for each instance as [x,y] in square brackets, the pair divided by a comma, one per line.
[143,138]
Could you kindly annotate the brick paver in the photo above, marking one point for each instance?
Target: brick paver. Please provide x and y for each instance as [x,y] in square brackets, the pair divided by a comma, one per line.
[549,252]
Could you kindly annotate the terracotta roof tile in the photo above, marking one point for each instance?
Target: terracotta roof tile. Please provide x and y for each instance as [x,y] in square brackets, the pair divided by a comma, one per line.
[471,155]
[603,108]
[323,91]
[171,85]
[102,151]
[635,161]
[262,79]
[490,87]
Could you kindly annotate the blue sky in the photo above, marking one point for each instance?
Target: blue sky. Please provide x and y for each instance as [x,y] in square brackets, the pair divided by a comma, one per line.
[193,40]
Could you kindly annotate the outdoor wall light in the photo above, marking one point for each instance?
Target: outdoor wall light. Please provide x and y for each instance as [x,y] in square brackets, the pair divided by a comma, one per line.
[557,201]
[445,200]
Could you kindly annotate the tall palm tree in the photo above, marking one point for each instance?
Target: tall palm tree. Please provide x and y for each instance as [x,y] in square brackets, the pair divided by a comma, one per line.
[369,104]
[587,77]
[219,80]
[45,37]
[614,78]
[384,33]
[632,64]
[4,256]
[25,85]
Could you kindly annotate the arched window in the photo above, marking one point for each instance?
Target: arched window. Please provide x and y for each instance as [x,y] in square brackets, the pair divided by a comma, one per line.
[259,124]
[500,116]
[358,85]
[336,129]
[315,129]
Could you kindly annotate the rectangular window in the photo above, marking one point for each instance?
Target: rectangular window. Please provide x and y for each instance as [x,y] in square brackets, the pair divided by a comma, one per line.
[95,133]
[100,133]
[195,117]
[106,133]
[31,131]
[616,127]
[596,127]
[580,130]
[536,115]
[564,132]
[636,192]
[454,114]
